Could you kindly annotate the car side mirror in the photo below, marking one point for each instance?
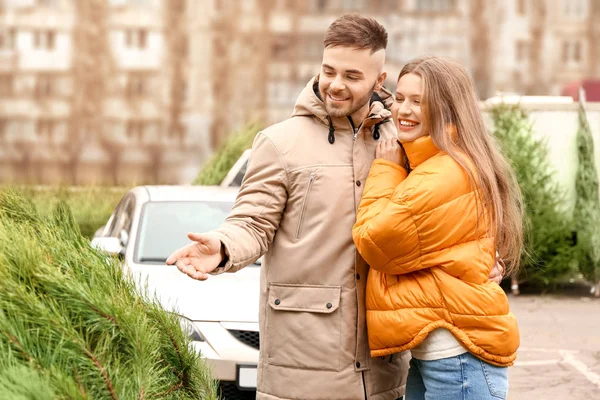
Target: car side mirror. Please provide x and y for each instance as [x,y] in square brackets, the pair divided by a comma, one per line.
[110,245]
[123,237]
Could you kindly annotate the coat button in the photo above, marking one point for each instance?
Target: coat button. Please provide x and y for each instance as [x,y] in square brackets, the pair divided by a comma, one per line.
[329,305]
[358,183]
[277,302]
[357,277]
[357,365]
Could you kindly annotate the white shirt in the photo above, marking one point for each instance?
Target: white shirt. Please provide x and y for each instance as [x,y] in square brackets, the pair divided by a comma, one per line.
[439,344]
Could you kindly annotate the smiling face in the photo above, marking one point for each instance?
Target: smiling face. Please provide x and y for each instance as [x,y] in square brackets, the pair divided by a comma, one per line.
[407,108]
[347,80]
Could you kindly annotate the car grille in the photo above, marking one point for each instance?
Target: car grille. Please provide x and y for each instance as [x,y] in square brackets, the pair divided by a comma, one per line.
[229,391]
[249,338]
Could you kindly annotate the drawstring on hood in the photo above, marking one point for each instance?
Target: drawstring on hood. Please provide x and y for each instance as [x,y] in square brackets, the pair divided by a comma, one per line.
[310,103]
[331,130]
[376,134]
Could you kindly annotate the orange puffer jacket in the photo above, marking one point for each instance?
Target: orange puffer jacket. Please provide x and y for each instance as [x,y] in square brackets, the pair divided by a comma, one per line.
[430,259]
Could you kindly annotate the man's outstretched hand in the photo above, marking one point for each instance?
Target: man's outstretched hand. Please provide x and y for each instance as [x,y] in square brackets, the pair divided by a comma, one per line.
[200,258]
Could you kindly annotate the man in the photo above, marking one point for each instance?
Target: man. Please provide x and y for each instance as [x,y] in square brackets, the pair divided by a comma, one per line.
[297,205]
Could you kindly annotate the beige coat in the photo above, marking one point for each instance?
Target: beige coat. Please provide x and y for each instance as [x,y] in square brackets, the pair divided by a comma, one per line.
[297,205]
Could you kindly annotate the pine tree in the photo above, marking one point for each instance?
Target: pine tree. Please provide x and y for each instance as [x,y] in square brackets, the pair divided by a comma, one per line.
[549,246]
[587,205]
[217,168]
[73,326]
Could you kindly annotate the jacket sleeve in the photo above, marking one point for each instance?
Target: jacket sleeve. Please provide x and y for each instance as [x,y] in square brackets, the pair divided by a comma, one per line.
[250,227]
[385,232]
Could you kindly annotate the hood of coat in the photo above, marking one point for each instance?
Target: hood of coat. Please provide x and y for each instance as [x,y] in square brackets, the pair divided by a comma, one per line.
[310,104]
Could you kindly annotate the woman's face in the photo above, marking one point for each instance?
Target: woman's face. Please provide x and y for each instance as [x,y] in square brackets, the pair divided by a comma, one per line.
[406,109]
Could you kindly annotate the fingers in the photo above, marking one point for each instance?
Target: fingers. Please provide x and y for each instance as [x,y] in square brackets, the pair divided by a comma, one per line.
[176,255]
[197,237]
[379,149]
[192,268]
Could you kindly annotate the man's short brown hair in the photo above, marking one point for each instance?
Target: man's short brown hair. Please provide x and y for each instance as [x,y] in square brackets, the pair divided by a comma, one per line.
[354,30]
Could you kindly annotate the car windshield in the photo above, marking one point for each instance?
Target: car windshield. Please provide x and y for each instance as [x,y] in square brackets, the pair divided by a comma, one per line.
[164,226]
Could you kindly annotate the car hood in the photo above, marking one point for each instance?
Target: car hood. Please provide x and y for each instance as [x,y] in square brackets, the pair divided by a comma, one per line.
[229,297]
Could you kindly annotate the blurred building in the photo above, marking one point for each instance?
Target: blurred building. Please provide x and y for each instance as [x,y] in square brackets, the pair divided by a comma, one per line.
[100,91]
[126,91]
[540,46]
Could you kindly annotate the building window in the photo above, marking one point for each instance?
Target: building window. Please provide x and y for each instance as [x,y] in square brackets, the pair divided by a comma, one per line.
[6,85]
[136,85]
[137,38]
[357,5]
[43,86]
[282,5]
[44,40]
[311,48]
[384,6]
[281,49]
[44,128]
[572,52]
[8,39]
[575,9]
[185,92]
[135,129]
[319,5]
[46,3]
[19,3]
[435,5]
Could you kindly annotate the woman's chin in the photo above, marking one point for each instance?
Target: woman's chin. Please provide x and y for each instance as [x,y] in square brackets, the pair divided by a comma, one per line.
[409,136]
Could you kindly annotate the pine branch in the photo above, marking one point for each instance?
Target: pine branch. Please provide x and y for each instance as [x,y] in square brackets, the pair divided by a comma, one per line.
[98,365]
[79,384]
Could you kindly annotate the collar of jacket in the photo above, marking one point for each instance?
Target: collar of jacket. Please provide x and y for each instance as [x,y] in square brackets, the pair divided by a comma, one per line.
[420,150]
[309,104]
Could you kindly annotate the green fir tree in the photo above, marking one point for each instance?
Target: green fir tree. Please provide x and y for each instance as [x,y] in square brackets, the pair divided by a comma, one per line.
[587,205]
[219,165]
[73,326]
[549,246]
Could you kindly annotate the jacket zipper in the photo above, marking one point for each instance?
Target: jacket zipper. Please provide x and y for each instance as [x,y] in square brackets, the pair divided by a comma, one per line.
[310,183]
[355,129]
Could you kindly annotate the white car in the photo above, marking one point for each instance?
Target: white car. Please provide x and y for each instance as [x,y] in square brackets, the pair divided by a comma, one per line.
[221,313]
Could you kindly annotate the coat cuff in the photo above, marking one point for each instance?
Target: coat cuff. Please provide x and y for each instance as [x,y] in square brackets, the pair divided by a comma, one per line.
[227,262]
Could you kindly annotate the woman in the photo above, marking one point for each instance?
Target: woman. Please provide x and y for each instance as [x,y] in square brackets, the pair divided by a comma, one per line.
[434,211]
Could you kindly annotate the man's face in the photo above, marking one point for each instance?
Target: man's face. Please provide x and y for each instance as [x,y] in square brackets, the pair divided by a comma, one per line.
[348,78]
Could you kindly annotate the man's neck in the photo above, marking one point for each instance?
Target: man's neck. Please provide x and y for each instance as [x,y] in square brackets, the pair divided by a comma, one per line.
[359,116]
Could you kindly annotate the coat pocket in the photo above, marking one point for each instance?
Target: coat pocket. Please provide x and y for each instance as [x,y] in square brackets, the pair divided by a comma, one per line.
[303,326]
[311,180]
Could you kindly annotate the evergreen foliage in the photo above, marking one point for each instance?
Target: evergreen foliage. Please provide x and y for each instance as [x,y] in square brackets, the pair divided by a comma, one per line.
[72,326]
[550,251]
[587,205]
[217,168]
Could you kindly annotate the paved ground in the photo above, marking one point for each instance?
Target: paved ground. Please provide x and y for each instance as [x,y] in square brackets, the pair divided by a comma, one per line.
[559,356]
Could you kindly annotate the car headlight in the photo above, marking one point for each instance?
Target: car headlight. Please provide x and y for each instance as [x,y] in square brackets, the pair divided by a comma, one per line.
[190,329]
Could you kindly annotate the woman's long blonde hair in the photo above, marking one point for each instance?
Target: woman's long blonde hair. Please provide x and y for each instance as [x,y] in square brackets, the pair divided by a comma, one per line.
[449,99]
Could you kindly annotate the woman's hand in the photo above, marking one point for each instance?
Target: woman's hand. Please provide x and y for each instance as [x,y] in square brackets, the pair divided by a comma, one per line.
[391,150]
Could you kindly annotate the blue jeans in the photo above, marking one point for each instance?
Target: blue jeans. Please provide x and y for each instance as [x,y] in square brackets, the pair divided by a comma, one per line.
[463,377]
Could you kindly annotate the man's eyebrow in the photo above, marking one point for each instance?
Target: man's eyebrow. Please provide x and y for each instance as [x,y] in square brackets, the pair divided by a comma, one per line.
[354,71]
[348,71]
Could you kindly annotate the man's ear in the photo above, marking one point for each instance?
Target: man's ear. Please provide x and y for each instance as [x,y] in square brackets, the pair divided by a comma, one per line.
[380,80]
